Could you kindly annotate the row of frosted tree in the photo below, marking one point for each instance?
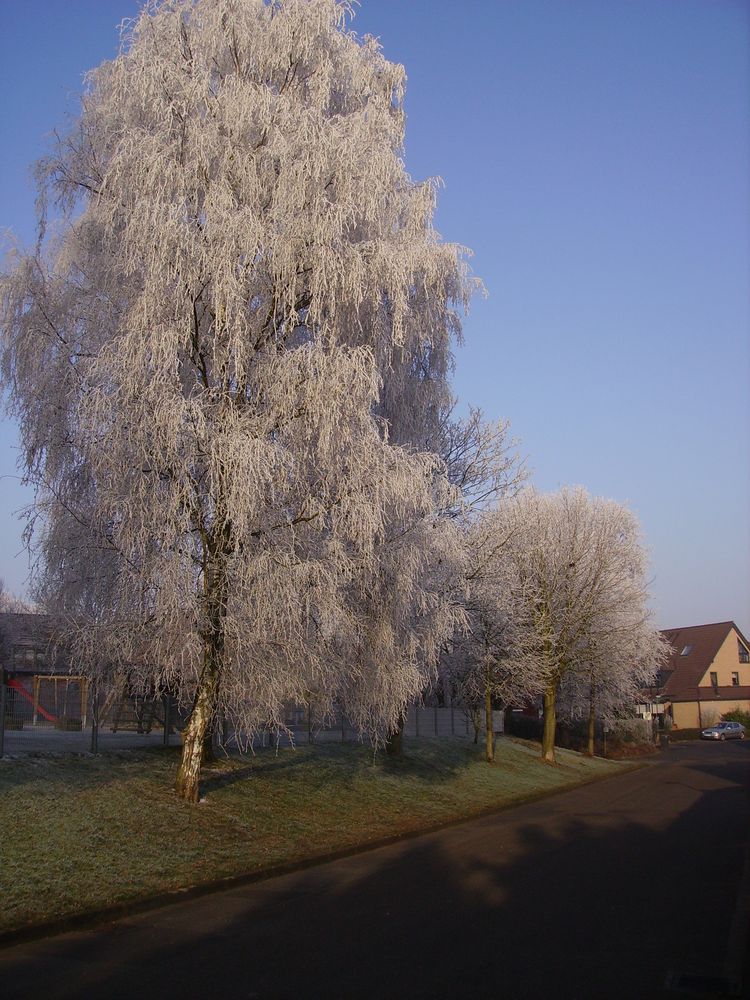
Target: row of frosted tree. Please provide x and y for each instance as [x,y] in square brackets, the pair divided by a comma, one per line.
[229,358]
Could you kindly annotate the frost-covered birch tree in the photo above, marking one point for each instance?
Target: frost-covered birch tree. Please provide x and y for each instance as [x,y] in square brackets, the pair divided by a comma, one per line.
[610,675]
[491,658]
[483,663]
[11,603]
[236,325]
[580,571]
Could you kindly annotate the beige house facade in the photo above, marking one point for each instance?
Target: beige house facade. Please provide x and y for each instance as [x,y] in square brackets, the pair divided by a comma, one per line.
[708,674]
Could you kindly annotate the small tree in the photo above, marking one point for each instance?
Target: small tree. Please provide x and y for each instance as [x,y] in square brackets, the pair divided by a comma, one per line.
[489,659]
[610,674]
[221,361]
[9,602]
[482,467]
[580,572]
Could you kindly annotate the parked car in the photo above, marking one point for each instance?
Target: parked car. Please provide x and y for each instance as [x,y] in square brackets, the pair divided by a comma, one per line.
[724,731]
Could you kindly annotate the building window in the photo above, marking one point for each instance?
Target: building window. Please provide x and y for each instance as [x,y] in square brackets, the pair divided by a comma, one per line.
[714,679]
[735,678]
[686,650]
[744,655]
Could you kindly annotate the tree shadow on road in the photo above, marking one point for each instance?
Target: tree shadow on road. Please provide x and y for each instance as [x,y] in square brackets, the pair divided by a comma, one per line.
[577,897]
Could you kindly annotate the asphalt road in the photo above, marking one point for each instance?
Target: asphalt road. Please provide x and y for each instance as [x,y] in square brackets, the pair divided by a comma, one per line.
[608,891]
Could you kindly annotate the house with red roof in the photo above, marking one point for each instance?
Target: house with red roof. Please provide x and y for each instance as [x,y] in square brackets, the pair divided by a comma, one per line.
[707,674]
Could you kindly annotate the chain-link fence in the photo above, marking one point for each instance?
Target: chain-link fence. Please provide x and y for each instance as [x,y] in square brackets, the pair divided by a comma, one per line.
[303,726]
[63,712]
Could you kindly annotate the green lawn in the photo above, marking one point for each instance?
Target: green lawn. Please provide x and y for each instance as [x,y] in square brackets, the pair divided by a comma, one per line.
[81,833]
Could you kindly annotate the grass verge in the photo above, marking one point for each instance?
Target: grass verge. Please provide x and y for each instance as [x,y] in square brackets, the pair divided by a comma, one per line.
[81,834]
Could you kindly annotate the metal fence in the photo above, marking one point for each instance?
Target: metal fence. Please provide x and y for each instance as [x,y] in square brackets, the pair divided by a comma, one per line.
[62,712]
[59,713]
[421,721]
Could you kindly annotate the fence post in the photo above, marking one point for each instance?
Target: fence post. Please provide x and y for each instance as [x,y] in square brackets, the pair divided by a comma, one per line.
[94,717]
[36,698]
[167,714]
[2,711]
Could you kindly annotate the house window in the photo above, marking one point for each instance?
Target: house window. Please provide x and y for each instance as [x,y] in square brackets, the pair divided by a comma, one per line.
[686,650]
[735,678]
[714,679]
[744,655]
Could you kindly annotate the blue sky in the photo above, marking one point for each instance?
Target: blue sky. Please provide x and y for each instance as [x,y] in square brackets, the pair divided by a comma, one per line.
[596,160]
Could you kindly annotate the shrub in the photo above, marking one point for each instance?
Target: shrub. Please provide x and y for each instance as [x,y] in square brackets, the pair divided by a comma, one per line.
[524,726]
[573,735]
[738,715]
[631,731]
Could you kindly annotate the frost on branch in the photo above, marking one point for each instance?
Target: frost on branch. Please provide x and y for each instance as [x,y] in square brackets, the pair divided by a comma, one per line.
[491,660]
[580,572]
[10,603]
[225,357]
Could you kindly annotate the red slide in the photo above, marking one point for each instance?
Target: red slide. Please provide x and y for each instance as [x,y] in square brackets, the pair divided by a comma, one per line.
[18,686]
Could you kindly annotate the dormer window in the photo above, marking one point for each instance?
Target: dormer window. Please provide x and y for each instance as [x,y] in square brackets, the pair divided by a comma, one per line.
[686,650]
[743,653]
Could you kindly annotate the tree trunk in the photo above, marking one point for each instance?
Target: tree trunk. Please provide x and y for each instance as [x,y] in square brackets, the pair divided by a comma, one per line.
[489,748]
[591,740]
[197,747]
[394,744]
[208,755]
[550,722]
[476,721]
[196,732]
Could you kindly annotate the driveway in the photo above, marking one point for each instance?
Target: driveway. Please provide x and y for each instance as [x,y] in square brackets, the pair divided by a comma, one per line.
[608,891]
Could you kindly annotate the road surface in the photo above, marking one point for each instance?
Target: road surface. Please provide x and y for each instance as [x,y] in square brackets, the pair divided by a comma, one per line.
[628,888]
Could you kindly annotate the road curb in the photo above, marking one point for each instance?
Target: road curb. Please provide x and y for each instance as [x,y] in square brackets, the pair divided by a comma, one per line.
[97,918]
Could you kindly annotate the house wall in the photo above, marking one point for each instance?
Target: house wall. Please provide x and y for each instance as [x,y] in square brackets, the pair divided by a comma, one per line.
[685,713]
[726,662]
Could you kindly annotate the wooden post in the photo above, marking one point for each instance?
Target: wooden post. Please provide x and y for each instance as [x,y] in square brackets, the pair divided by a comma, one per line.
[167,705]
[85,701]
[36,698]
[94,716]
[2,711]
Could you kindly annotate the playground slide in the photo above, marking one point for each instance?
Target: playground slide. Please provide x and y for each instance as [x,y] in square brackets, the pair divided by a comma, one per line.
[18,686]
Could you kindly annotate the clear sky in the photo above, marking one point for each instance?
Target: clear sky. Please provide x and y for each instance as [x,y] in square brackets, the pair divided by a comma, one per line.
[596,159]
